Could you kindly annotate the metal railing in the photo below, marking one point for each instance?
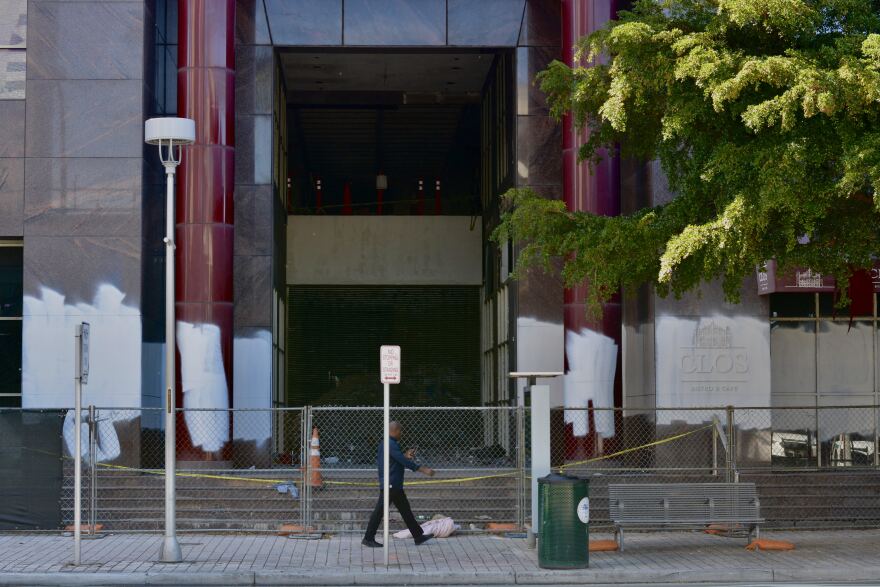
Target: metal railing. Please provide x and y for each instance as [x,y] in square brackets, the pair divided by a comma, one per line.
[250,469]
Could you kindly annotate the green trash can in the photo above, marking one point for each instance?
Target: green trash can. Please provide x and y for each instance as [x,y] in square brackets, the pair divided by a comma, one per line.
[563,522]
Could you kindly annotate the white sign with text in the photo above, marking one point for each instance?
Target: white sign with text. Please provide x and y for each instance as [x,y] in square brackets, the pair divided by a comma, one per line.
[389,364]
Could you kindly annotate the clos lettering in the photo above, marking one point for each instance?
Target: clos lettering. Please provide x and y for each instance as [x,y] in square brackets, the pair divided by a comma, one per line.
[715,362]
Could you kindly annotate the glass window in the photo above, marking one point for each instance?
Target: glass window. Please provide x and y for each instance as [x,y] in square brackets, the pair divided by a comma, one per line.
[13,23]
[793,305]
[846,358]
[795,429]
[12,74]
[847,433]
[13,41]
[10,281]
[793,358]
[10,361]
[827,309]
[10,324]
[166,57]
[824,383]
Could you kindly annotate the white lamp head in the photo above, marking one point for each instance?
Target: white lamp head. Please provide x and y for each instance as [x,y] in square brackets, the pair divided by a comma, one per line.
[170,130]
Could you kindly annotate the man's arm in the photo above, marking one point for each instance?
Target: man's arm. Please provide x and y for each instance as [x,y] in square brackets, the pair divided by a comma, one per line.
[398,456]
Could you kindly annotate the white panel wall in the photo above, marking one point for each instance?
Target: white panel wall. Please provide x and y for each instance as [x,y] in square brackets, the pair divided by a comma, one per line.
[384,250]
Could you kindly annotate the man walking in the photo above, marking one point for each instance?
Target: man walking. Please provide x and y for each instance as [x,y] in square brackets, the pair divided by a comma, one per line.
[397,461]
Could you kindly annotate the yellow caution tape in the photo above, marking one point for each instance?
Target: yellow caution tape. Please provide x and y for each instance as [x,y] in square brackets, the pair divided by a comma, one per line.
[197,475]
[635,448]
[434,482]
[411,483]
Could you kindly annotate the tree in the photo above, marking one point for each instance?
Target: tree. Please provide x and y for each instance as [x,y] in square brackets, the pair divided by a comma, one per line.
[765,118]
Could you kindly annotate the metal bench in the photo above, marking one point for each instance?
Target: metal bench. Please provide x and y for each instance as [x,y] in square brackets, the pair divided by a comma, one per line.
[683,506]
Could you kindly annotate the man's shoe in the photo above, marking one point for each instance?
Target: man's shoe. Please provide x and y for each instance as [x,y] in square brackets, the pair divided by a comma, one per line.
[370,543]
[423,538]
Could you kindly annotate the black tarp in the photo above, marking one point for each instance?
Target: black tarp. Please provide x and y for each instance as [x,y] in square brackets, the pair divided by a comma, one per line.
[30,469]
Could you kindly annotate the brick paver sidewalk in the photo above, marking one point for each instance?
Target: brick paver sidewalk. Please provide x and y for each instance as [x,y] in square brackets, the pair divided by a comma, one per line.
[466,559]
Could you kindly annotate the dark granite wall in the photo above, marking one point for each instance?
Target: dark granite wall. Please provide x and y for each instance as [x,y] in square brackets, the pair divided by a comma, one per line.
[11,167]
[83,131]
[77,149]
[539,295]
[254,194]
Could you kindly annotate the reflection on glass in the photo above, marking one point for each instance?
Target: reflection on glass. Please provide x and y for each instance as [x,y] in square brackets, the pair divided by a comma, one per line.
[846,358]
[828,307]
[793,358]
[848,434]
[793,443]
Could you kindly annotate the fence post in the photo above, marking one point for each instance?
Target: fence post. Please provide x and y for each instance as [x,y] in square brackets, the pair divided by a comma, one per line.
[93,476]
[307,487]
[876,436]
[77,451]
[520,468]
[731,447]
[714,446]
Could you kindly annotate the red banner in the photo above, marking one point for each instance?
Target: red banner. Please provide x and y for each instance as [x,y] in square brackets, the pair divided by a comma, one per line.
[802,280]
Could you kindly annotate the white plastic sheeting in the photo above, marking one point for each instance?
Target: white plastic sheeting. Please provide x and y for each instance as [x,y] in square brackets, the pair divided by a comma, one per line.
[107,446]
[592,364]
[48,350]
[203,381]
[252,386]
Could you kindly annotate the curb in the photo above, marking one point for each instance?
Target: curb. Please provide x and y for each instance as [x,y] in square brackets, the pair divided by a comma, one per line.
[584,577]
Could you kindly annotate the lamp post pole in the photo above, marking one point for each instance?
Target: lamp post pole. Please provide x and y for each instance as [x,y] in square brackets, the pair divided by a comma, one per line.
[168,133]
[170,547]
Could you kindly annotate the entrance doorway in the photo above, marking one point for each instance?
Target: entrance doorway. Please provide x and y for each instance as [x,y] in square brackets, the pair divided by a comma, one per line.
[391,202]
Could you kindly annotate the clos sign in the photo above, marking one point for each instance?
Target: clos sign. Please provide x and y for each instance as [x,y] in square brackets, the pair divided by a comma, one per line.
[713,362]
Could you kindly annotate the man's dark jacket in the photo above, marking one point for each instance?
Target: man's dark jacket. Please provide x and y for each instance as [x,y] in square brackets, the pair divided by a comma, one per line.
[397,461]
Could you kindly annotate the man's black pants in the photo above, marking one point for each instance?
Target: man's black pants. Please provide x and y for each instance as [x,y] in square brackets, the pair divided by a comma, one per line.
[398,498]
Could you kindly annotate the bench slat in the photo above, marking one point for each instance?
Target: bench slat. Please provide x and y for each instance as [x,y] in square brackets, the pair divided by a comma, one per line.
[684,503]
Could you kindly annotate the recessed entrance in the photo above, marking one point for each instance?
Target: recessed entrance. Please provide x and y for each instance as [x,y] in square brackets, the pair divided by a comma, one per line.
[392,156]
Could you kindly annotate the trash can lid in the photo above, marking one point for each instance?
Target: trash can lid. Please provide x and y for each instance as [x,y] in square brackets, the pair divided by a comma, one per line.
[559,479]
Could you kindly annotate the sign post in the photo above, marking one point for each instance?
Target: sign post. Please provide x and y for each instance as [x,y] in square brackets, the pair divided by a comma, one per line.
[80,377]
[389,366]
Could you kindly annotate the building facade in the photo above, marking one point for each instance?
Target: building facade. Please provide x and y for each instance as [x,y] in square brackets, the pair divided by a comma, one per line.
[341,194]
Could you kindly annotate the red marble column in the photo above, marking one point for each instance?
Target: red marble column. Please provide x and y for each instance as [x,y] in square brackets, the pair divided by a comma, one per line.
[204,225]
[597,192]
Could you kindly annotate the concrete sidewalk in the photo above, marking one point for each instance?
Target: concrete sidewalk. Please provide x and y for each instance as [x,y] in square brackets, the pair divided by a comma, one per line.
[691,557]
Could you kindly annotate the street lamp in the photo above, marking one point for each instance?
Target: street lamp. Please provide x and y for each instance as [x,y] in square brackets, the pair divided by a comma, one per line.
[169,134]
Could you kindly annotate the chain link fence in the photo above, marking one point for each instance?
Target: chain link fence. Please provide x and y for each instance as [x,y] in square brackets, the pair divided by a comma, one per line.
[255,471]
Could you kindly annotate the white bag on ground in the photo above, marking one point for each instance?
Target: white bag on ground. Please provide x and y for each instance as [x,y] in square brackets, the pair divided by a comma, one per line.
[440,528]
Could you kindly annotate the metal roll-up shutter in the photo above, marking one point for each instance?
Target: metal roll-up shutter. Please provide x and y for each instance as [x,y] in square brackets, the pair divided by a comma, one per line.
[334,334]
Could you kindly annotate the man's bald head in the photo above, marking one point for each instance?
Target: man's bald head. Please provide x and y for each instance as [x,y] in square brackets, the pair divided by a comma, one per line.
[394,429]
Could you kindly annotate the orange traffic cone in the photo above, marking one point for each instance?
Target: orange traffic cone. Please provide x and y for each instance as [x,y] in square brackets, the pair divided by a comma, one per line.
[315,479]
